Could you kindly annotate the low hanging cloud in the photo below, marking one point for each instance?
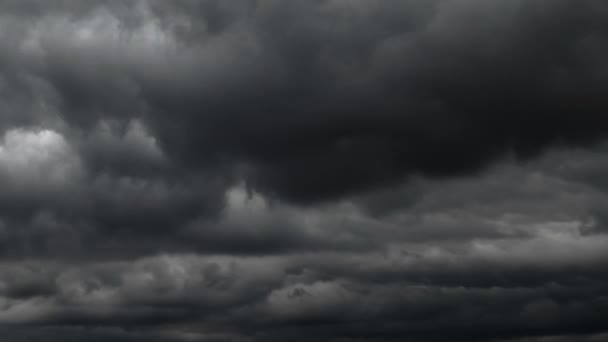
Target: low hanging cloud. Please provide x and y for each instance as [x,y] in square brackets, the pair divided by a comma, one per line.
[312,101]
[332,170]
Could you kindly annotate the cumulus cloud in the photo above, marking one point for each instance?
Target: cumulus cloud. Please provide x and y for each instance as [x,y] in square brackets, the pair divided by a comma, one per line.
[336,170]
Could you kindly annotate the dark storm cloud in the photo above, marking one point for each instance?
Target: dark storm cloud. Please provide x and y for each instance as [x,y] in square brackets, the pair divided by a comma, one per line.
[423,296]
[339,170]
[315,100]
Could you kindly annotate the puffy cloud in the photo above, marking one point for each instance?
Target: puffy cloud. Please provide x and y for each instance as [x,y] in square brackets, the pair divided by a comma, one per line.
[303,170]
[322,99]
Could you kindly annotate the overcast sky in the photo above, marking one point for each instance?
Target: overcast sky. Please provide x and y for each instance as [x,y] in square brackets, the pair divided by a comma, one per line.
[304,170]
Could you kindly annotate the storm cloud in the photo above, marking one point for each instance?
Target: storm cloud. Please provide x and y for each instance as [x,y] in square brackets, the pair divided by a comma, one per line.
[328,170]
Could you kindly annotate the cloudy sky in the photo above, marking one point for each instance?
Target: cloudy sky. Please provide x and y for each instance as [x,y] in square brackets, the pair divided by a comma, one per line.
[303,170]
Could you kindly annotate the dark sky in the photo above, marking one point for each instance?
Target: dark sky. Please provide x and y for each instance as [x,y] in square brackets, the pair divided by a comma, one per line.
[304,170]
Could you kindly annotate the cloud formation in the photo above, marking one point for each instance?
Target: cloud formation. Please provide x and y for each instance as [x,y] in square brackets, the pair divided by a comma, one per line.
[336,170]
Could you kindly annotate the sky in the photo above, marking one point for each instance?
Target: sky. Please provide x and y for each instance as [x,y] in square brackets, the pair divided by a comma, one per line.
[303,170]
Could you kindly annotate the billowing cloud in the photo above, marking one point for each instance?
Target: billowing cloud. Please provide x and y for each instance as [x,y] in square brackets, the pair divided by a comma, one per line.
[332,170]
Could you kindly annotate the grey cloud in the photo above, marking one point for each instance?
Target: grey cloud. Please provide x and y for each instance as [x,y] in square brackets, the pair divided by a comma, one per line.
[327,88]
[337,170]
[436,291]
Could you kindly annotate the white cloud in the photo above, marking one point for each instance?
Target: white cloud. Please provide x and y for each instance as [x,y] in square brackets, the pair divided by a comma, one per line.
[43,157]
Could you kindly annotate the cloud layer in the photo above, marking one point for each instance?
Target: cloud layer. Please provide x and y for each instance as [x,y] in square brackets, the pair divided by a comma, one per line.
[336,170]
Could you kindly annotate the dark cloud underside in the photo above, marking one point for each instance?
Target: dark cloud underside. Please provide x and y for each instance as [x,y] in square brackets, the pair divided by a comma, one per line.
[336,170]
